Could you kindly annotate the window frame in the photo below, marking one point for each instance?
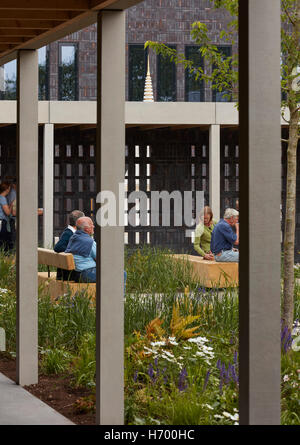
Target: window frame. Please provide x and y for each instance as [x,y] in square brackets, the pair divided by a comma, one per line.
[60,46]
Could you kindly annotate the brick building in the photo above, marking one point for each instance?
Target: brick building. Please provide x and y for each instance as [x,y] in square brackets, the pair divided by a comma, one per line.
[166,21]
[168,152]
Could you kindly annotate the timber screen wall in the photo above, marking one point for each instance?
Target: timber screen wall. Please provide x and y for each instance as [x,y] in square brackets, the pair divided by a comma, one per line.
[161,159]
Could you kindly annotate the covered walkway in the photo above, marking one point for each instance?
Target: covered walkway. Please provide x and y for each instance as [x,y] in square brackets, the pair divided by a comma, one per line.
[19,407]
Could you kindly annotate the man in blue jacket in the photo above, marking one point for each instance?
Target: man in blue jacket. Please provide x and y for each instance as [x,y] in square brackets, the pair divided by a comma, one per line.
[61,245]
[223,237]
[84,250]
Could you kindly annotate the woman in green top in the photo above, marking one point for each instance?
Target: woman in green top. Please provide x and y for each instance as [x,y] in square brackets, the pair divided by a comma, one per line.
[203,234]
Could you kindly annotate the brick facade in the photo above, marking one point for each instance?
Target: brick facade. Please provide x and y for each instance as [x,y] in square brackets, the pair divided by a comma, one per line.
[166,21]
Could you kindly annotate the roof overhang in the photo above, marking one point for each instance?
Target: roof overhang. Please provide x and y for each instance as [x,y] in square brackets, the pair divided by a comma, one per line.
[31,24]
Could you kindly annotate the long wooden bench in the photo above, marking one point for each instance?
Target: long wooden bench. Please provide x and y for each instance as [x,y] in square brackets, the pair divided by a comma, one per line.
[212,273]
[57,288]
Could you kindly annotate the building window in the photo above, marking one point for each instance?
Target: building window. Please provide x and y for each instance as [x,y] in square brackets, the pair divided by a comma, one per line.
[43,55]
[224,95]
[166,79]
[194,89]
[137,66]
[68,72]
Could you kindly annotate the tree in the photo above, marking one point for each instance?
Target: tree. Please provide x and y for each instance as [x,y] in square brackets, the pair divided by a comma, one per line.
[224,78]
[10,92]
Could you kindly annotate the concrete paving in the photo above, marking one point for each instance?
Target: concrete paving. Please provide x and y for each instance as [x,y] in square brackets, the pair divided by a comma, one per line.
[19,407]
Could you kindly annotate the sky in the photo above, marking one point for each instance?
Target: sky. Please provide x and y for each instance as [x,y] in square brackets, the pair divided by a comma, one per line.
[10,68]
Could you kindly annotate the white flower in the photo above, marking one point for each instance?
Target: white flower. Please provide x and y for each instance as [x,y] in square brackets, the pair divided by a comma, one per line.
[169,354]
[187,347]
[3,291]
[198,340]
[207,406]
[157,343]
[150,350]
[200,354]
[172,341]
[231,416]
[167,358]
[218,416]
[286,378]
[296,331]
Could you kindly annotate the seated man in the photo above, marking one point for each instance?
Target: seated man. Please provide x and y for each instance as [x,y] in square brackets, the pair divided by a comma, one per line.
[223,237]
[61,245]
[83,247]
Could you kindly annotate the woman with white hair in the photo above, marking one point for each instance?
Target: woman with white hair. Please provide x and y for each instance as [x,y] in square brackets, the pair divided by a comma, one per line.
[223,237]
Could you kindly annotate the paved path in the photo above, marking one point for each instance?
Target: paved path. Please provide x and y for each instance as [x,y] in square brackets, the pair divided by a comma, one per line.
[19,407]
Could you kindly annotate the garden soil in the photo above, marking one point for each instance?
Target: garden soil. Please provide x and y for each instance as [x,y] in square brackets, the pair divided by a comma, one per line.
[57,392]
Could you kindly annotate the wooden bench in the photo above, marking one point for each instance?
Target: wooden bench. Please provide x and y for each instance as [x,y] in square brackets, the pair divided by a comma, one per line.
[57,288]
[212,273]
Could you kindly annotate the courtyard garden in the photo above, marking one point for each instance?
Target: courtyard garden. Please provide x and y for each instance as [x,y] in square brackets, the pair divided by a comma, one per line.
[180,350]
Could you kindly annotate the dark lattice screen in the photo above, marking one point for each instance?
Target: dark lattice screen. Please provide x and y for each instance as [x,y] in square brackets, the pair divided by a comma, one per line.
[155,160]
[8,151]
[229,168]
[74,174]
[167,160]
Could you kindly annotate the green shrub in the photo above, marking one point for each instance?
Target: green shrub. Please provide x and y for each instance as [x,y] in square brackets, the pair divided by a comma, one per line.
[84,365]
[54,361]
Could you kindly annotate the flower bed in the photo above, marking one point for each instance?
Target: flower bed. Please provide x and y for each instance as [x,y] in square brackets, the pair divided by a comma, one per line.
[181,347]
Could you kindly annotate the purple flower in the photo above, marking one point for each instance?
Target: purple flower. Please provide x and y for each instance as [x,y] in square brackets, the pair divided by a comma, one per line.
[135,376]
[235,357]
[226,376]
[234,376]
[288,343]
[222,370]
[151,372]
[182,384]
[283,333]
[206,380]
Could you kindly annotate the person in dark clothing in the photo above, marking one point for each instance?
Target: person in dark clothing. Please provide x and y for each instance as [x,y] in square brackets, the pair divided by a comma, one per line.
[11,200]
[6,211]
[223,238]
[61,245]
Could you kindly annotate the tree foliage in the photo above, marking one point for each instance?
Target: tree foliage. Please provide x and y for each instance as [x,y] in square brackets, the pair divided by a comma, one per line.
[224,77]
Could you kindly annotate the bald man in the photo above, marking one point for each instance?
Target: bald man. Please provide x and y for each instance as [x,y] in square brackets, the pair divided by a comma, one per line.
[84,249]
